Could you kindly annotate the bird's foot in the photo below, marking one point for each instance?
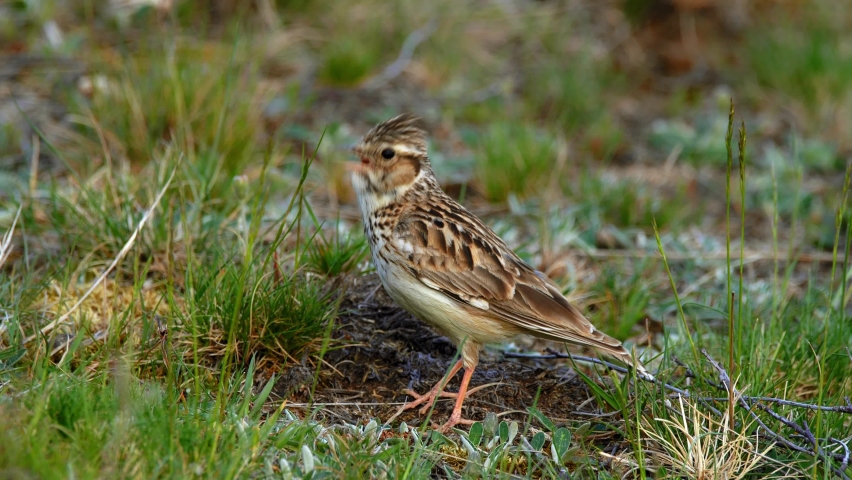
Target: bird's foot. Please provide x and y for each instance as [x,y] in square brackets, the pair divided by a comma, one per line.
[428,398]
[455,419]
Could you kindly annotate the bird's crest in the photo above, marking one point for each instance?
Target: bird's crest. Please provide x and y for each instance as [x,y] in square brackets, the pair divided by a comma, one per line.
[403,129]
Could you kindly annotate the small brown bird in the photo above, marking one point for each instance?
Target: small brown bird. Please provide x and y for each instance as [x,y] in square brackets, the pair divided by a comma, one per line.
[442,264]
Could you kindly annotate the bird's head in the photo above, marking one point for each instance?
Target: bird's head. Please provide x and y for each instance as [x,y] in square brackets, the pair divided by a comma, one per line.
[392,159]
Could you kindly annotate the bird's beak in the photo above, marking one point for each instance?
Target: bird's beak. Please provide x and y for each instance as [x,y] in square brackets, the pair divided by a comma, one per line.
[355,167]
[360,166]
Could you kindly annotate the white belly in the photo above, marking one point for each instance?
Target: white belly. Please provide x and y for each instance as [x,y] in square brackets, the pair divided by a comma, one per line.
[457,322]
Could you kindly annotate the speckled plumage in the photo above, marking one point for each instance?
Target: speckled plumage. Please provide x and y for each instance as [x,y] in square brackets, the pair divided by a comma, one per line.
[442,264]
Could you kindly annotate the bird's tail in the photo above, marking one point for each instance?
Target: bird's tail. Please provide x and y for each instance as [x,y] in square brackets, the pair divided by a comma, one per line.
[623,355]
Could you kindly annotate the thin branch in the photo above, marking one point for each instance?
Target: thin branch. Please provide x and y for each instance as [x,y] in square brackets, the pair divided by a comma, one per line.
[749,256]
[618,368]
[689,373]
[791,403]
[804,431]
[747,402]
[679,362]
[579,358]
[494,89]
[844,463]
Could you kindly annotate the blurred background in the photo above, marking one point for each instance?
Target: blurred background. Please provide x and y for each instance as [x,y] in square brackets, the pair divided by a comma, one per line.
[569,125]
[174,208]
[520,94]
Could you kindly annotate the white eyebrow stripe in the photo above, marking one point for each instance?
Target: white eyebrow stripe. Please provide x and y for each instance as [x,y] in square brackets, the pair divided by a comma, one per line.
[403,149]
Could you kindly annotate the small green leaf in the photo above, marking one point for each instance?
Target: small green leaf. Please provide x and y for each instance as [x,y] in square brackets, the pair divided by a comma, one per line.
[261,398]
[490,424]
[561,441]
[475,434]
[10,356]
[537,441]
[513,432]
[600,393]
[570,454]
[504,432]
[437,438]
[542,418]
[307,459]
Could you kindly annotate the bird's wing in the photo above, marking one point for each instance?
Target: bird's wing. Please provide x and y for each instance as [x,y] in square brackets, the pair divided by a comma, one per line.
[451,251]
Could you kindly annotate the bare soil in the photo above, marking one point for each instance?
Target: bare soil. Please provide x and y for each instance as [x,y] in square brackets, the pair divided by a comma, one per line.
[379,350]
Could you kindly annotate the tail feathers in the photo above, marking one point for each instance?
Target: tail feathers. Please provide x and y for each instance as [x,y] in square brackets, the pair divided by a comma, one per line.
[609,346]
[623,355]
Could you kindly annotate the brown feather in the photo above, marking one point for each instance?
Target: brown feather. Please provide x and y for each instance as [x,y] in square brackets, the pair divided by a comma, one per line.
[485,291]
[480,266]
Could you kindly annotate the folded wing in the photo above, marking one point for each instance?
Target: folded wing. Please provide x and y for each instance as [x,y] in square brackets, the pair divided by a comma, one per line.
[459,256]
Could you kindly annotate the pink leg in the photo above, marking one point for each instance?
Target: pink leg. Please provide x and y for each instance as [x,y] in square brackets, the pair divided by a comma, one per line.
[430,397]
[455,417]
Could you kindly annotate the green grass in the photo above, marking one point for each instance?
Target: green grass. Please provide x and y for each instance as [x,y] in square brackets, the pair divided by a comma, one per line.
[168,369]
[281,317]
[342,253]
[570,92]
[347,63]
[810,65]
[626,204]
[513,158]
[78,424]
[622,301]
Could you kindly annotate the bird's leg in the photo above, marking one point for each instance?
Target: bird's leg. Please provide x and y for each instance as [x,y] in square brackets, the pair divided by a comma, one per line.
[430,397]
[455,417]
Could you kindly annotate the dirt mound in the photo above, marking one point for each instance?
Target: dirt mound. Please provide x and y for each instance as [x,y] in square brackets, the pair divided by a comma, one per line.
[379,350]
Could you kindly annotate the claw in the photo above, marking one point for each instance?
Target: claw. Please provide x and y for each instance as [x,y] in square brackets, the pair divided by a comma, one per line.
[452,422]
[428,399]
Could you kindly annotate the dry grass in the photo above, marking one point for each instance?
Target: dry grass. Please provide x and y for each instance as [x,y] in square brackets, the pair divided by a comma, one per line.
[693,444]
[543,120]
[107,302]
[6,241]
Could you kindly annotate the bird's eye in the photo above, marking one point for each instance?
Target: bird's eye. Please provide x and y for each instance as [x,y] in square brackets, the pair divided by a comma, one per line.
[388,153]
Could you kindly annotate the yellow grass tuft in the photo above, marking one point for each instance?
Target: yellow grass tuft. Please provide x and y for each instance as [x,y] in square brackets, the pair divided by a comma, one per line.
[108,303]
[696,445]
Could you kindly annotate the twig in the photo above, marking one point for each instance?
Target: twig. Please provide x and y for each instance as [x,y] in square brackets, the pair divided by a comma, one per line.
[679,362]
[791,403]
[753,256]
[804,431]
[578,358]
[844,463]
[726,381]
[343,404]
[494,89]
[618,368]
[97,337]
[744,400]
[397,66]
[127,246]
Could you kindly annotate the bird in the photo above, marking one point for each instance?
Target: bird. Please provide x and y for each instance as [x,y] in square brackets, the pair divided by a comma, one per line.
[442,264]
